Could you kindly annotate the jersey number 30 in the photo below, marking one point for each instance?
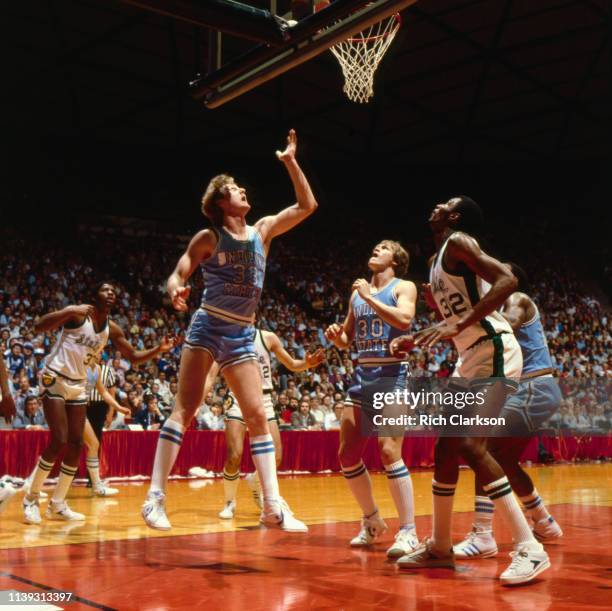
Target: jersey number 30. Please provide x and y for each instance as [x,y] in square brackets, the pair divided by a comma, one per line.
[374,329]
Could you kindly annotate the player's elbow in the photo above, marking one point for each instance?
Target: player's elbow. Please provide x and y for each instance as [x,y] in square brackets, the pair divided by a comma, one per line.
[512,284]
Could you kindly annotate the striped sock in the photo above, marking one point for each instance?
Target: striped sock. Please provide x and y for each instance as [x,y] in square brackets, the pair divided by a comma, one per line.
[67,473]
[483,514]
[93,468]
[534,506]
[262,451]
[500,493]
[230,485]
[443,497]
[39,475]
[400,485]
[358,480]
[168,446]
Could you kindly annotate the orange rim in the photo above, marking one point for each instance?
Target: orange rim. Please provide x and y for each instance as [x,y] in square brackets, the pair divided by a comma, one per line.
[398,21]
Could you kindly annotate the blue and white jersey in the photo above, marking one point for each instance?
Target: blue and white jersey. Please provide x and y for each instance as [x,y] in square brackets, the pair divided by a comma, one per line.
[372,333]
[234,277]
[532,340]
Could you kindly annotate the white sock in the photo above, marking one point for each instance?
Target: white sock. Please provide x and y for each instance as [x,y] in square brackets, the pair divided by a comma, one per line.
[93,468]
[358,480]
[262,451]
[168,446]
[39,475]
[500,493]
[534,506]
[66,476]
[400,485]
[443,497]
[230,485]
[483,514]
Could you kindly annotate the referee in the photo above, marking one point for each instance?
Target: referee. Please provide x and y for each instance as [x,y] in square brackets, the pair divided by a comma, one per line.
[97,409]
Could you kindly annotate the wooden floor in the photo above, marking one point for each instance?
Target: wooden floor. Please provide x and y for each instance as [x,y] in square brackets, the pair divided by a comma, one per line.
[113,561]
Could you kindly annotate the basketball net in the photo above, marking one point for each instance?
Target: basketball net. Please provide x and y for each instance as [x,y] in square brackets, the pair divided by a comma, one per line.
[360,55]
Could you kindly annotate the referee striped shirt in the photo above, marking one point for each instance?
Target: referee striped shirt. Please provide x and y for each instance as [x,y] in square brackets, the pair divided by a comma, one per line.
[109,379]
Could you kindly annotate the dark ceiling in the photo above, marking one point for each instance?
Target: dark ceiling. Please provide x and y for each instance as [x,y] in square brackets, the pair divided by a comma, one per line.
[466,80]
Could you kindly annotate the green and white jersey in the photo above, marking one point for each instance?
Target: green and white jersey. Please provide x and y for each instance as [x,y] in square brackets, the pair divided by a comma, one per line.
[457,292]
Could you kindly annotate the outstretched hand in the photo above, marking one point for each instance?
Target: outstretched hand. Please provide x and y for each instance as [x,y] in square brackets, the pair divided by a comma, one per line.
[180,296]
[315,358]
[168,342]
[430,336]
[401,345]
[289,153]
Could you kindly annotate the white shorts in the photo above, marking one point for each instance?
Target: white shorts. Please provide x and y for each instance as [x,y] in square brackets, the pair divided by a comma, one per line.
[497,357]
[235,413]
[55,386]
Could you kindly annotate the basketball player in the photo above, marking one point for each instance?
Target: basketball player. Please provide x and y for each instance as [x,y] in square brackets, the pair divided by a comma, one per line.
[468,287]
[537,399]
[232,255]
[378,311]
[98,377]
[100,407]
[266,342]
[85,330]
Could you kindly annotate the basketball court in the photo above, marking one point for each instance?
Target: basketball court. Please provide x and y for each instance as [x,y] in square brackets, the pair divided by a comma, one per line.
[115,562]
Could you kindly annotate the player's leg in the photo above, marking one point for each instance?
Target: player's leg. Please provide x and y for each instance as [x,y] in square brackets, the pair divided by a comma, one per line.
[234,446]
[437,550]
[508,454]
[480,541]
[93,462]
[529,558]
[58,509]
[252,479]
[352,443]
[400,486]
[55,414]
[96,415]
[244,379]
[194,367]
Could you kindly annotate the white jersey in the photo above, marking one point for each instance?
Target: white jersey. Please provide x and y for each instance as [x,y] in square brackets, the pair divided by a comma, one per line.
[265,363]
[457,293]
[77,349]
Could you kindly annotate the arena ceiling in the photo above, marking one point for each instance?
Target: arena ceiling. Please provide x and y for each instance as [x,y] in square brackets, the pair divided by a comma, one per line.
[466,80]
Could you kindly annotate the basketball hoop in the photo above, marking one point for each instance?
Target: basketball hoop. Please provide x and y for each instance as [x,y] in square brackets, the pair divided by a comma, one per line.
[360,55]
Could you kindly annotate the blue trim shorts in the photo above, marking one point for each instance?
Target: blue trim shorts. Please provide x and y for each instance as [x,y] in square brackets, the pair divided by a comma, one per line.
[536,401]
[228,343]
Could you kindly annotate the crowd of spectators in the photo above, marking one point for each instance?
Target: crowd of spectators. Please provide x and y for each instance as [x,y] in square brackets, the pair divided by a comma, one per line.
[305,291]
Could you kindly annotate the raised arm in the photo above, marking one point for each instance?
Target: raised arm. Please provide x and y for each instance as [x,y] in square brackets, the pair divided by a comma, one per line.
[131,354]
[70,314]
[342,335]
[201,247]
[271,226]
[274,344]
[399,316]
